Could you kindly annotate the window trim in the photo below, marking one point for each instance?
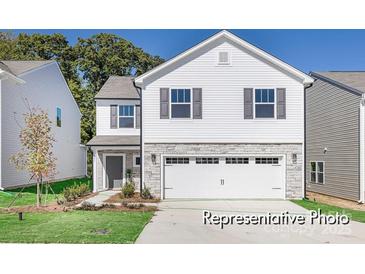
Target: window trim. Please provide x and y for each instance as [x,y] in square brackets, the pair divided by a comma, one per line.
[135,156]
[254,104]
[134,116]
[58,108]
[191,104]
[316,172]
[228,57]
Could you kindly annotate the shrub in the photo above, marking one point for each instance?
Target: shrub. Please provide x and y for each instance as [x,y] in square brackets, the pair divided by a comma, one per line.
[73,192]
[128,190]
[146,193]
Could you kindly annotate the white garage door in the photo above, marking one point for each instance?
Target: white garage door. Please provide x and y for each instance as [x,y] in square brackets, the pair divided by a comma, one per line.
[224,177]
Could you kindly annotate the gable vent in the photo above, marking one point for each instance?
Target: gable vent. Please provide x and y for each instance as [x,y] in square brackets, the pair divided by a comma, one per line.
[223,58]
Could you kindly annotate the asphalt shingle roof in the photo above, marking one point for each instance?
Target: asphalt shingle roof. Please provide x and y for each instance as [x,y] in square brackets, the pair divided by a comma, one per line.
[118,87]
[19,67]
[111,140]
[353,79]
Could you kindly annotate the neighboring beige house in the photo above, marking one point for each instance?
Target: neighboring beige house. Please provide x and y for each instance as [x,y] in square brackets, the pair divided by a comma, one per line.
[25,84]
[223,119]
[335,132]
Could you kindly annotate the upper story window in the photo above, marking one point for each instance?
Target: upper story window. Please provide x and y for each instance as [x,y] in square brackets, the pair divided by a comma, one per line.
[223,58]
[264,103]
[58,117]
[180,103]
[126,116]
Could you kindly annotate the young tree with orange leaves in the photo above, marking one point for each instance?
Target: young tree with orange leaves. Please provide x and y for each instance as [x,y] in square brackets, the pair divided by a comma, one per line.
[36,154]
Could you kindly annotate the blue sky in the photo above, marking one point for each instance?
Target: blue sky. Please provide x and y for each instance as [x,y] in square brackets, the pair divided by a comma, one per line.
[307,50]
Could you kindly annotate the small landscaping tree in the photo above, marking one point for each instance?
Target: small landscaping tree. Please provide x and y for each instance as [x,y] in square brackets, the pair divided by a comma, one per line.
[36,154]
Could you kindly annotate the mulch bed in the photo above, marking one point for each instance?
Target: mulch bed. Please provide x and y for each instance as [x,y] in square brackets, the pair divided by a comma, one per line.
[68,206]
[118,198]
[334,201]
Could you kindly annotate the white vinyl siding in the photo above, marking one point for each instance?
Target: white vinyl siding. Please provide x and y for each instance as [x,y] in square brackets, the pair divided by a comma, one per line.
[44,88]
[222,97]
[103,118]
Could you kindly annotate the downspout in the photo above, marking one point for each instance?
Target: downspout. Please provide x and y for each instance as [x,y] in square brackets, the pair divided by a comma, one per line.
[139,90]
[362,149]
[305,140]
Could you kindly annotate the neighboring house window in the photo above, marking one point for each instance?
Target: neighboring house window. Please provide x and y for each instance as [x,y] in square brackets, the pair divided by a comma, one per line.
[223,58]
[136,160]
[317,172]
[58,117]
[180,103]
[264,103]
[126,116]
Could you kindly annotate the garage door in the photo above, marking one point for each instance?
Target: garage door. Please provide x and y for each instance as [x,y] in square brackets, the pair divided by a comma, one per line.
[224,177]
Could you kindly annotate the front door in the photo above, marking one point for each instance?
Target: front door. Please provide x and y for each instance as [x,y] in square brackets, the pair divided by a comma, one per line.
[114,171]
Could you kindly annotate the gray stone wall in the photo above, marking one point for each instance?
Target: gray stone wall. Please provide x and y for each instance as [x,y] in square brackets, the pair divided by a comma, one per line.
[128,165]
[294,172]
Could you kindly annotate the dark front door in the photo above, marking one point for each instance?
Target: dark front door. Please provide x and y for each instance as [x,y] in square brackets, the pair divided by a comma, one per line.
[114,171]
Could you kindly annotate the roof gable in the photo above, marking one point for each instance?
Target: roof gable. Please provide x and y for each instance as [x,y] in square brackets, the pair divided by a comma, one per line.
[118,87]
[304,78]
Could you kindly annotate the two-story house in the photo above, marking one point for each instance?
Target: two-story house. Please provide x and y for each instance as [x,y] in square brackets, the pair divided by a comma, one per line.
[223,119]
[116,144]
[38,84]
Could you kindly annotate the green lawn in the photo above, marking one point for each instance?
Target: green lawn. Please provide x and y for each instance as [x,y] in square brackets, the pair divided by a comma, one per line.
[28,196]
[73,227]
[356,215]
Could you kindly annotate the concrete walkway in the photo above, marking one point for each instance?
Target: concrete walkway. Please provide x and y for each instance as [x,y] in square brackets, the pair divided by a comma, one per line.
[101,197]
[182,222]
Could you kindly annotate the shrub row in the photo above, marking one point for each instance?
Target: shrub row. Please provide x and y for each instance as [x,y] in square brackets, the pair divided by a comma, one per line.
[73,192]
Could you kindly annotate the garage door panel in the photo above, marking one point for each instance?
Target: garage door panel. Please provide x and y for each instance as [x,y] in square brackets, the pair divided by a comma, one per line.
[248,179]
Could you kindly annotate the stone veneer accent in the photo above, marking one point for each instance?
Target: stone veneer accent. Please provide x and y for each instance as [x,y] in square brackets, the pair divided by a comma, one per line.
[128,164]
[294,172]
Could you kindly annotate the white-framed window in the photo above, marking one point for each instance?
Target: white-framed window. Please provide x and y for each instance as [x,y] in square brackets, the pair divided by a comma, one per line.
[58,117]
[177,160]
[317,172]
[136,160]
[126,116]
[265,103]
[237,160]
[223,58]
[206,160]
[180,103]
[267,160]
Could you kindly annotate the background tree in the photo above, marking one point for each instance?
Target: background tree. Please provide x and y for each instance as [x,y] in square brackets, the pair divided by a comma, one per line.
[36,154]
[86,65]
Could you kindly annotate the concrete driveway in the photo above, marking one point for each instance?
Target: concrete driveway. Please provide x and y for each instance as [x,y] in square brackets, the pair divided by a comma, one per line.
[181,221]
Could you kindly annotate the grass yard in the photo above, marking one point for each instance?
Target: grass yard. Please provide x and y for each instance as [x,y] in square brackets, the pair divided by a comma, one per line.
[356,215]
[28,196]
[73,227]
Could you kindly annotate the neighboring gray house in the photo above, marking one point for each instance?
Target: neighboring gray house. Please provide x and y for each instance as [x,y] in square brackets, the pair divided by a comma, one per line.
[116,144]
[335,132]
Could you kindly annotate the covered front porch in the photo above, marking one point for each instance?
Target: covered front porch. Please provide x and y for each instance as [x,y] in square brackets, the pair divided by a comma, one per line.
[113,158]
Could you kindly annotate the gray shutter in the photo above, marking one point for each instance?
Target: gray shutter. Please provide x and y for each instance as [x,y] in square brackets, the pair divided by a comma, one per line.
[197,103]
[248,103]
[138,116]
[113,116]
[280,103]
[164,103]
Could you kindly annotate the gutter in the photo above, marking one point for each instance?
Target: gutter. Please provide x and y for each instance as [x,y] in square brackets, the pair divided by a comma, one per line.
[305,140]
[139,90]
[362,149]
